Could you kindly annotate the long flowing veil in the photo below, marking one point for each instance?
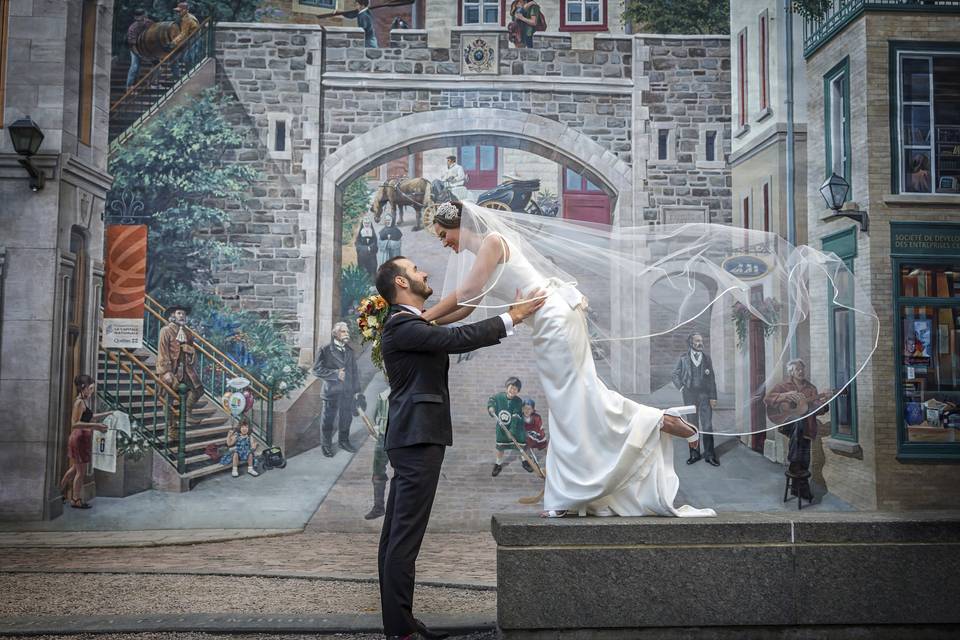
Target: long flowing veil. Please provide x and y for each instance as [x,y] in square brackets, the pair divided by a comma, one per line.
[758,302]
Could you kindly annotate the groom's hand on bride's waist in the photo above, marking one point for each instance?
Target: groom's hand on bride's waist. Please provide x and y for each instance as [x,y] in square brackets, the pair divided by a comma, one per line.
[531,303]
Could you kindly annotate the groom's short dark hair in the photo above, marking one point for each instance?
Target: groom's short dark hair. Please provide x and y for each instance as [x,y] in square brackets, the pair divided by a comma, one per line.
[387,277]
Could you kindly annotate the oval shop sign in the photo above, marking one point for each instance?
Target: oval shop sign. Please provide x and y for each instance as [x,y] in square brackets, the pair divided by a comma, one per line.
[745,267]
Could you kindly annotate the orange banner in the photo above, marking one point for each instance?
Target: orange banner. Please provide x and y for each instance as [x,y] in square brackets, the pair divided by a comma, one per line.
[126,281]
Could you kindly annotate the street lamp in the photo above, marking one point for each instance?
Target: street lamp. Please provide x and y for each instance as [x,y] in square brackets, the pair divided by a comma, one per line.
[26,137]
[834,191]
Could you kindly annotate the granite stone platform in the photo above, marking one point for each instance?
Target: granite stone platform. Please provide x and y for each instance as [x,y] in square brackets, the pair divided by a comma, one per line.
[737,575]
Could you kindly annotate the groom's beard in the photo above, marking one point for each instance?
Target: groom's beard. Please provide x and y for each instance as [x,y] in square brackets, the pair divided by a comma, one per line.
[420,289]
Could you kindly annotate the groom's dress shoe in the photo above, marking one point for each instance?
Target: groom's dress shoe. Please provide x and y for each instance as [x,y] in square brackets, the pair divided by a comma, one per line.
[349,448]
[428,633]
[712,460]
[694,456]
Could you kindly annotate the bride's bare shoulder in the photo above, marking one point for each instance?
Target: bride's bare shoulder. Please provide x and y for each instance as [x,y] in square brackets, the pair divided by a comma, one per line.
[496,243]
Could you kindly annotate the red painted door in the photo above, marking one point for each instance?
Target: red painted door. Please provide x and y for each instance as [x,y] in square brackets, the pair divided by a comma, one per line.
[583,200]
[480,164]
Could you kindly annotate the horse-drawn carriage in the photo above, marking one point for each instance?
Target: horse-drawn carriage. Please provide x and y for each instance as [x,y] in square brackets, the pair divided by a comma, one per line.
[423,196]
[512,195]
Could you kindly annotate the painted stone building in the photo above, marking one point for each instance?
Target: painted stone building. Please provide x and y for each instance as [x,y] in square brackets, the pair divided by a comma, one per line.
[54,69]
[345,110]
[883,113]
[758,165]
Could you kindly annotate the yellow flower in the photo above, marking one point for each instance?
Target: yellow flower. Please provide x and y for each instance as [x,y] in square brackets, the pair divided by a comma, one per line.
[367,333]
[373,322]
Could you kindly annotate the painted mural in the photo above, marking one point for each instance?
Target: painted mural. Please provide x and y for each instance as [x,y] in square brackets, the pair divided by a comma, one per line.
[276,153]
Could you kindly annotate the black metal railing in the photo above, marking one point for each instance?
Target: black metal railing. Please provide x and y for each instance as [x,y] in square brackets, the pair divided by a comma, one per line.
[142,99]
[126,383]
[818,31]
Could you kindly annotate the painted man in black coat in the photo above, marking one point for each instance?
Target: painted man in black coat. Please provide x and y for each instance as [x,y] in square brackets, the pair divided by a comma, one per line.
[416,357]
[336,365]
[694,376]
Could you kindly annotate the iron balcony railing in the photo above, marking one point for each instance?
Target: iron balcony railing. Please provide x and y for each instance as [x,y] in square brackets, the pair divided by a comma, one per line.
[816,32]
[142,99]
[215,369]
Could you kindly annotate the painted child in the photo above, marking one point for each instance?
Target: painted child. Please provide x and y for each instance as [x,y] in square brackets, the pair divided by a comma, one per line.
[244,448]
[506,408]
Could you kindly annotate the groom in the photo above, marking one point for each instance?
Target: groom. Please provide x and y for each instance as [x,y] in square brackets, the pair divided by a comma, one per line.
[418,425]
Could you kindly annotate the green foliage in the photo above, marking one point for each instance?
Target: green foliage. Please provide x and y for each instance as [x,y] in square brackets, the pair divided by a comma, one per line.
[175,167]
[679,16]
[257,345]
[355,285]
[356,202]
[813,9]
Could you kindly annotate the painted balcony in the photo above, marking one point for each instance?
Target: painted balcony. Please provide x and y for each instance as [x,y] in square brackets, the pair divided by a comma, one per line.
[818,32]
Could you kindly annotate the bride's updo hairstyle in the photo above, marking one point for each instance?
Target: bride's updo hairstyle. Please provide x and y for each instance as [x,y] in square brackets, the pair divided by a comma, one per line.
[448,215]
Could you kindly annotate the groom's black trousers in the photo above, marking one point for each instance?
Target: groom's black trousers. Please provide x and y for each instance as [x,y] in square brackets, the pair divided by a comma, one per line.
[416,472]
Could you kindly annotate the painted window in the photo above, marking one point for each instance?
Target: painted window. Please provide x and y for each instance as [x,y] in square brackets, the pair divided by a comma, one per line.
[88,41]
[742,105]
[764,60]
[323,4]
[926,267]
[663,143]
[576,182]
[480,164]
[4,9]
[583,15]
[480,12]
[836,91]
[928,118]
[842,329]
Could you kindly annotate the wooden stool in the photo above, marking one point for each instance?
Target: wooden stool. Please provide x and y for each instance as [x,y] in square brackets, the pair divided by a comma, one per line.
[791,482]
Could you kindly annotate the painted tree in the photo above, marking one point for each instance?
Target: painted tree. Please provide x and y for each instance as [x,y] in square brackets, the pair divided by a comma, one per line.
[679,16]
[176,167]
[699,16]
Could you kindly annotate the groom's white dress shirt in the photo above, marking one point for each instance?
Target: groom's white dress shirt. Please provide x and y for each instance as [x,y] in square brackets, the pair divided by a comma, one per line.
[507,320]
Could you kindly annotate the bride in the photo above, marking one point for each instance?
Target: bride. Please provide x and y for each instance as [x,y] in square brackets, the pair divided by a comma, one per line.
[608,454]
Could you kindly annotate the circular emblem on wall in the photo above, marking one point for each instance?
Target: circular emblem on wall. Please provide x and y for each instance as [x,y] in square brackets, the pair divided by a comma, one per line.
[479,56]
[746,267]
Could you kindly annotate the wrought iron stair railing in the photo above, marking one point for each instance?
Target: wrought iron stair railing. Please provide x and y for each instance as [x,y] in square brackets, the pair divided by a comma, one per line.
[151,91]
[216,369]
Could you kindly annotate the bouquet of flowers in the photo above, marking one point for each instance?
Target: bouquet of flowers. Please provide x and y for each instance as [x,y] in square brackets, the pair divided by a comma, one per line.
[371,314]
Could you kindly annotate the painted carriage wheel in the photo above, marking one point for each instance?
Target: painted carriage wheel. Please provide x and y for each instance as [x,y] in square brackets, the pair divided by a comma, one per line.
[496,205]
[427,214]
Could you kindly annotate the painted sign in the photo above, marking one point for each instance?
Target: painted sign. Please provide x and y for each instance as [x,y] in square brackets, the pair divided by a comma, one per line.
[126,280]
[745,267]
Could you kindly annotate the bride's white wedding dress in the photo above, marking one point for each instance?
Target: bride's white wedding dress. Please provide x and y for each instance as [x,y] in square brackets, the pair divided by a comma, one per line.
[607,455]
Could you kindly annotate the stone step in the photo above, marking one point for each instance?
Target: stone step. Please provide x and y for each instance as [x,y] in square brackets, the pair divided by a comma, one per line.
[199,430]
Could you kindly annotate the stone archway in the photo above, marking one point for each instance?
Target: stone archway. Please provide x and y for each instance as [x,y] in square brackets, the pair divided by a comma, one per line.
[429,130]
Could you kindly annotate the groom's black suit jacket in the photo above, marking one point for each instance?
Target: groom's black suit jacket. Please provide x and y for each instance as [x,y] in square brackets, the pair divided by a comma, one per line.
[415,356]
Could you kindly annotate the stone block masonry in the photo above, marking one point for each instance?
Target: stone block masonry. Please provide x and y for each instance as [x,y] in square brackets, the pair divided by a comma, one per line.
[273,74]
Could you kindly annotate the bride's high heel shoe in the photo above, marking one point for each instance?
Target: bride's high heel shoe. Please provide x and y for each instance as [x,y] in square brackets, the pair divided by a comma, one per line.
[679,412]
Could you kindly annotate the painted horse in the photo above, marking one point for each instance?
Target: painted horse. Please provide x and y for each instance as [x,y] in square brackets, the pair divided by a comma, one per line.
[400,193]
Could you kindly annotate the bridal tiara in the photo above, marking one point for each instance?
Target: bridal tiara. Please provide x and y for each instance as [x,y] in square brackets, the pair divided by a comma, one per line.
[447,212]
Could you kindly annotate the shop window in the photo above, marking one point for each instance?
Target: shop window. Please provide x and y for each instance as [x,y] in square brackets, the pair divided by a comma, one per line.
[764,62]
[842,329]
[480,12]
[836,92]
[928,123]
[88,41]
[927,330]
[583,15]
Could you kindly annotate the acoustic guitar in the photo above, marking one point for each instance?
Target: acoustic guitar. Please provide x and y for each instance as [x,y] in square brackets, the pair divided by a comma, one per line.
[791,410]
